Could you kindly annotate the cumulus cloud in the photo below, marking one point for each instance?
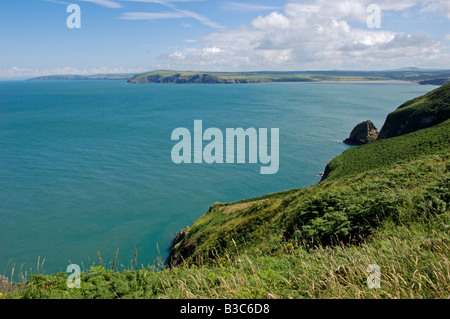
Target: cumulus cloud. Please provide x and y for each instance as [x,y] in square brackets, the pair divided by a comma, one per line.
[312,35]
[442,7]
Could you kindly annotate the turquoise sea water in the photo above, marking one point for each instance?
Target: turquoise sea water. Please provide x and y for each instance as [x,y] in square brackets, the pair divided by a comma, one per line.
[86,166]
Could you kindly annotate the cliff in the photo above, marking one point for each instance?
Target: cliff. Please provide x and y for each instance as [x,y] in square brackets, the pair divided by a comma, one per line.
[422,112]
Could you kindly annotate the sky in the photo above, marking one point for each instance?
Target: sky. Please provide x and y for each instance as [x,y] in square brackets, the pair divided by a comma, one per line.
[131,36]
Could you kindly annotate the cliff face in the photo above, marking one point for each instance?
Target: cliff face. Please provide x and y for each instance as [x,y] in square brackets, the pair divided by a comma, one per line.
[183,79]
[422,112]
[191,78]
[176,254]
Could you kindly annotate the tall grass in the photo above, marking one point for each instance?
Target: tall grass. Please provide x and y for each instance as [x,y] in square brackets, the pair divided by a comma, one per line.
[414,262]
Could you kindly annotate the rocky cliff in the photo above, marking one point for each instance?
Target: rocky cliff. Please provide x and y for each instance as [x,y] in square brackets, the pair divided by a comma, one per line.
[422,112]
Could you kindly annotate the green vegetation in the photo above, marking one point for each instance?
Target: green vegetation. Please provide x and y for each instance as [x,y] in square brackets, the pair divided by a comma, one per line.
[424,111]
[341,210]
[383,203]
[169,76]
[384,153]
[430,110]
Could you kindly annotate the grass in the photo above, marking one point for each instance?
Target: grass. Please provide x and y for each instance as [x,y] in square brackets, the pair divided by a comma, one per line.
[422,112]
[347,209]
[413,260]
[384,153]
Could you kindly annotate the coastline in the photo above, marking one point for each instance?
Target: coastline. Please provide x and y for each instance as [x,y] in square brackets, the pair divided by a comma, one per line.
[369,81]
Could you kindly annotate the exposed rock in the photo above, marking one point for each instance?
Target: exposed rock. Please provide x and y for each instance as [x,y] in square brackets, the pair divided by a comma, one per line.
[176,252]
[363,133]
[180,236]
[184,79]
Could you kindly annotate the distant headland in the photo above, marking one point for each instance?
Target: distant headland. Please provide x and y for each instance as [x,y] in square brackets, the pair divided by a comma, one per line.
[414,75]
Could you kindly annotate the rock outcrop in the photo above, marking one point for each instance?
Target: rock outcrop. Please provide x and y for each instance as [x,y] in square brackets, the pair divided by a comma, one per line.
[176,255]
[363,133]
[180,236]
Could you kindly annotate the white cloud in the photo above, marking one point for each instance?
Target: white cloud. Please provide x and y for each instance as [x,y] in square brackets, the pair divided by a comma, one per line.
[199,17]
[274,20]
[57,1]
[170,15]
[213,50]
[313,35]
[176,13]
[151,15]
[163,1]
[105,3]
[246,7]
[442,7]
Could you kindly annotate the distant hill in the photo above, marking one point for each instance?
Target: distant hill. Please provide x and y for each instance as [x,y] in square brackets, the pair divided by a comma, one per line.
[183,77]
[81,77]
[433,77]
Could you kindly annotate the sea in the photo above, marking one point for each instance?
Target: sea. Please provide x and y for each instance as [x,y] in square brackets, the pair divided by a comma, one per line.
[86,166]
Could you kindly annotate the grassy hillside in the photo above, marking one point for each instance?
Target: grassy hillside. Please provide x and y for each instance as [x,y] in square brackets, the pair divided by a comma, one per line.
[421,112]
[347,209]
[169,76]
[164,76]
[385,153]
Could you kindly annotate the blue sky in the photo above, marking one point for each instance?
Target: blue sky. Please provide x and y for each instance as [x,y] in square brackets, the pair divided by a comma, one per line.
[219,35]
